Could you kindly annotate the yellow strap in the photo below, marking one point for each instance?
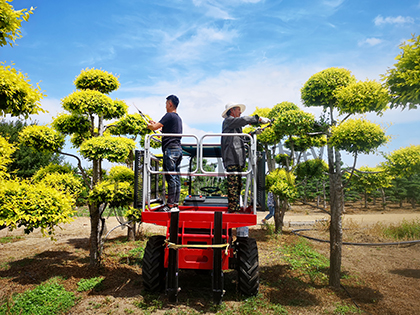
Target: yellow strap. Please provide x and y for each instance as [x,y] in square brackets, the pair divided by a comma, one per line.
[177,246]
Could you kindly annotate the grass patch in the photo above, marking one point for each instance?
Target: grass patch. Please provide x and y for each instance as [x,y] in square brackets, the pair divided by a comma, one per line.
[127,252]
[343,309]
[150,303]
[250,306]
[10,239]
[405,231]
[303,258]
[82,211]
[89,284]
[48,298]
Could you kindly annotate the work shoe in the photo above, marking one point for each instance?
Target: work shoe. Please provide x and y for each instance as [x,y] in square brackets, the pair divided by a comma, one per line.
[166,208]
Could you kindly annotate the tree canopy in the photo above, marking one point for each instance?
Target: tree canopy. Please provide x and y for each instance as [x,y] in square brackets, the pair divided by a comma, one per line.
[10,22]
[403,81]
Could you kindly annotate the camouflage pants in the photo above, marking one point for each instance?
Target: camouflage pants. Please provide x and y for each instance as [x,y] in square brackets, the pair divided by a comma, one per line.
[234,186]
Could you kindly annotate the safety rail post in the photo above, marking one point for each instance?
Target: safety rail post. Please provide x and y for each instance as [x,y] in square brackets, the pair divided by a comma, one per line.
[173,270]
[217,276]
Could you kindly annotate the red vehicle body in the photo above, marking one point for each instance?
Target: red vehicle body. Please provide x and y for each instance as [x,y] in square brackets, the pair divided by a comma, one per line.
[200,236]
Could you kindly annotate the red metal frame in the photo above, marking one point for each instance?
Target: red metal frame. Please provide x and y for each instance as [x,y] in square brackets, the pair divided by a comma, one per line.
[199,218]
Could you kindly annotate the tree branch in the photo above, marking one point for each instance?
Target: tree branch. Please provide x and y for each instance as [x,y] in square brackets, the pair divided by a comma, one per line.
[79,165]
[352,170]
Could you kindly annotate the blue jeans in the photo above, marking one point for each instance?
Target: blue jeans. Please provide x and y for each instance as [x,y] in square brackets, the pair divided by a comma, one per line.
[270,214]
[171,160]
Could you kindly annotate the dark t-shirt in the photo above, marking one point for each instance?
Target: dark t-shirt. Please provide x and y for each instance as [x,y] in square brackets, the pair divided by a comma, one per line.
[172,123]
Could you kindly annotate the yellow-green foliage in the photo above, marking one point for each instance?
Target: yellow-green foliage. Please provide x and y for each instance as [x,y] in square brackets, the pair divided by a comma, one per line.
[10,22]
[69,124]
[51,168]
[154,142]
[6,150]
[403,162]
[98,80]
[64,182]
[94,102]
[362,97]
[311,168]
[133,214]
[116,194]
[121,173]
[358,136]
[33,205]
[132,124]
[17,95]
[282,184]
[303,143]
[403,81]
[320,88]
[369,179]
[42,138]
[113,149]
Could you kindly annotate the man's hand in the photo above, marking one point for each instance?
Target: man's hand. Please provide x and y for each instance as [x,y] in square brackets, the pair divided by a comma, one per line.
[264,120]
[152,125]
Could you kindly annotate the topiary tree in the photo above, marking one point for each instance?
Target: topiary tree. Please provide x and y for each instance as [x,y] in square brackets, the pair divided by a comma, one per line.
[337,90]
[292,125]
[86,112]
[404,163]
[370,179]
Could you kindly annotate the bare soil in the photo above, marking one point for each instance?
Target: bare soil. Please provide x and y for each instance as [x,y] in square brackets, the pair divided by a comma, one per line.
[377,279]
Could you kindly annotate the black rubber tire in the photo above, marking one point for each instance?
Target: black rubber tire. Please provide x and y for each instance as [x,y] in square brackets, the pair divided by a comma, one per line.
[247,266]
[153,264]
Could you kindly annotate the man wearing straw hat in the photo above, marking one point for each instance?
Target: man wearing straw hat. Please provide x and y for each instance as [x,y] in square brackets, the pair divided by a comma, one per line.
[233,149]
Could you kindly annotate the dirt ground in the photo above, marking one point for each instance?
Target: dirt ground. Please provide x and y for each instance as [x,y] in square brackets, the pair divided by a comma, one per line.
[379,279]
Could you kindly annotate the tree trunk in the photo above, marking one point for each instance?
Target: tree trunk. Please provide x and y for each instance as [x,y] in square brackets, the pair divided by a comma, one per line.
[131,232]
[366,199]
[337,205]
[95,253]
[278,220]
[383,198]
[271,163]
[95,237]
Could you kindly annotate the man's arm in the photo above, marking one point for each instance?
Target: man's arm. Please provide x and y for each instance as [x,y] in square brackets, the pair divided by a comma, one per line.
[152,125]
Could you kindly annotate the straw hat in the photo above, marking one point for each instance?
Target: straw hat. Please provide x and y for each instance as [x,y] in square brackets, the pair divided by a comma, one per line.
[232,105]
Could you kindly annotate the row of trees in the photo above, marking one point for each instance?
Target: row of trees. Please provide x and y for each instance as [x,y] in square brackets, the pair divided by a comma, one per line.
[342,97]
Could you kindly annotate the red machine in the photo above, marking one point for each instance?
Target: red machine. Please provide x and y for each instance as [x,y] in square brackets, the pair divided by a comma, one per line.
[199,236]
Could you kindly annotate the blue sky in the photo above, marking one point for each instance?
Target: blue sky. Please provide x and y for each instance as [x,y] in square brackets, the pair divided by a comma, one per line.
[211,52]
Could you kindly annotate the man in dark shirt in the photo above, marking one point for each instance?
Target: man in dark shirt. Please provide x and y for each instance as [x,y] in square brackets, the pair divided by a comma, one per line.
[233,149]
[171,148]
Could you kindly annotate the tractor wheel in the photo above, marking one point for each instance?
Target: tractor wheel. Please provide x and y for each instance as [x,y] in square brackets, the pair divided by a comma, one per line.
[247,266]
[153,264]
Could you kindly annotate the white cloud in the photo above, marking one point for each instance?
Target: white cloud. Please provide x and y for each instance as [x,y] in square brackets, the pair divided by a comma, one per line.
[370,41]
[333,3]
[379,20]
[194,46]
[213,9]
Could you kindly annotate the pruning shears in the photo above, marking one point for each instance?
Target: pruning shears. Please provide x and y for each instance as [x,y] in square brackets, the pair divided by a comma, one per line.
[147,121]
